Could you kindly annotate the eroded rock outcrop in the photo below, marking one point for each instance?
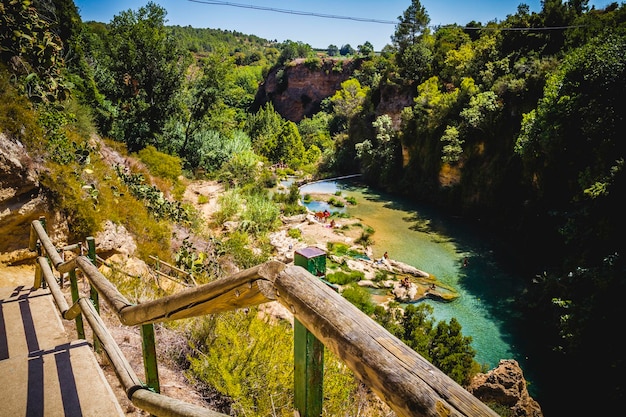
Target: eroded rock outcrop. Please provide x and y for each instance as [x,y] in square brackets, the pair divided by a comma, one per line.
[297,89]
[506,385]
[22,200]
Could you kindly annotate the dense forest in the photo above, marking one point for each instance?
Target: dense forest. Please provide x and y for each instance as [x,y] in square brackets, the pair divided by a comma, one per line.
[514,125]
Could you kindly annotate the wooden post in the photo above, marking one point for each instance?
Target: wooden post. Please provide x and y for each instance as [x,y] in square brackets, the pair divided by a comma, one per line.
[150,366]
[80,328]
[42,220]
[308,350]
[93,293]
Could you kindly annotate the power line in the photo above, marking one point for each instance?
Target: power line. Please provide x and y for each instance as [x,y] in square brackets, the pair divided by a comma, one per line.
[385,22]
[295,12]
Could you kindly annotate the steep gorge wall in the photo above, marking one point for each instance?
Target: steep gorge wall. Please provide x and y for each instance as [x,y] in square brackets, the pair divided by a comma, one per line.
[297,89]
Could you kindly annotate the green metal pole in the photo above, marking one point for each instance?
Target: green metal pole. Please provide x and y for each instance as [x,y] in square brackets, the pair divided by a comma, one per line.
[308,350]
[308,372]
[93,293]
[149,357]
[80,329]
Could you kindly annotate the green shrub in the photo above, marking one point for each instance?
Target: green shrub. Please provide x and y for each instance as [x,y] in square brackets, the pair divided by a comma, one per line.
[260,214]
[240,352]
[335,202]
[17,118]
[161,164]
[341,249]
[230,203]
[294,233]
[343,278]
[365,239]
[239,246]
[360,297]
[313,63]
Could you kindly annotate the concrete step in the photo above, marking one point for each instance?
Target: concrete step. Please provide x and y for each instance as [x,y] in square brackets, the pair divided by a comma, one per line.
[42,372]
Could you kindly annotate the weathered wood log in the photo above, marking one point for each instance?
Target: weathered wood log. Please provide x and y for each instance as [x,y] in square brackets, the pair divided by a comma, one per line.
[45,241]
[164,275]
[123,370]
[402,378]
[105,288]
[244,289]
[44,269]
[162,406]
[182,271]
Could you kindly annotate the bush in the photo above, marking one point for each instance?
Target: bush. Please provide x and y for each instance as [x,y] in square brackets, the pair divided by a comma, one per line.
[161,164]
[343,278]
[240,247]
[360,297]
[294,233]
[335,202]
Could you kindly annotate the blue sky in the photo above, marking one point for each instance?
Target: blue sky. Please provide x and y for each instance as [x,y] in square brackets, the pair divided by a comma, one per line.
[316,31]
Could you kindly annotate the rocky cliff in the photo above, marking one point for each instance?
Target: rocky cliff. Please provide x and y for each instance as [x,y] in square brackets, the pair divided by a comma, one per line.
[22,199]
[297,89]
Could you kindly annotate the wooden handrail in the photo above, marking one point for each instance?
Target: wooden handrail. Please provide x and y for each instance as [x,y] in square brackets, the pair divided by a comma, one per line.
[401,377]
[136,392]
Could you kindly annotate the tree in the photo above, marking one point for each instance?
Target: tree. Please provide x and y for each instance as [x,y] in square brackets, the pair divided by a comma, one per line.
[346,50]
[349,101]
[207,94]
[413,24]
[412,40]
[416,62]
[452,148]
[572,147]
[332,50]
[147,69]
[380,158]
[264,128]
[366,50]
[451,352]
[292,50]
[289,147]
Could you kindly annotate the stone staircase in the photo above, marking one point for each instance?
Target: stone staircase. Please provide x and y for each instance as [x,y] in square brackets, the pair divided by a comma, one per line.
[42,372]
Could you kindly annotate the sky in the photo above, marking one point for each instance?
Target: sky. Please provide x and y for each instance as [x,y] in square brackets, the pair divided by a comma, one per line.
[354,22]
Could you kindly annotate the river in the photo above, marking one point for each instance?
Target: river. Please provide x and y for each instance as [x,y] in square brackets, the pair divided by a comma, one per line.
[420,237]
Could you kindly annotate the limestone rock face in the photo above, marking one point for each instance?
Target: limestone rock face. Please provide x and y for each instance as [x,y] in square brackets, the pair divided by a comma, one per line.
[506,386]
[21,198]
[296,90]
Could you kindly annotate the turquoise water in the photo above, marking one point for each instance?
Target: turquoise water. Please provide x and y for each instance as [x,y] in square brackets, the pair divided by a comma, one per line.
[420,237]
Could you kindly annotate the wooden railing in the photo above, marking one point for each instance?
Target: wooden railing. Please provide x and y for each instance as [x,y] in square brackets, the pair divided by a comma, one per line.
[402,378]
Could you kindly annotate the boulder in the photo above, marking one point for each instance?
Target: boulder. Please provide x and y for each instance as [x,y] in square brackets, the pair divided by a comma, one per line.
[505,385]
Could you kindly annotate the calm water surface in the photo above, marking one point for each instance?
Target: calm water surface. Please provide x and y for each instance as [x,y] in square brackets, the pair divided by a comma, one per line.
[419,237]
